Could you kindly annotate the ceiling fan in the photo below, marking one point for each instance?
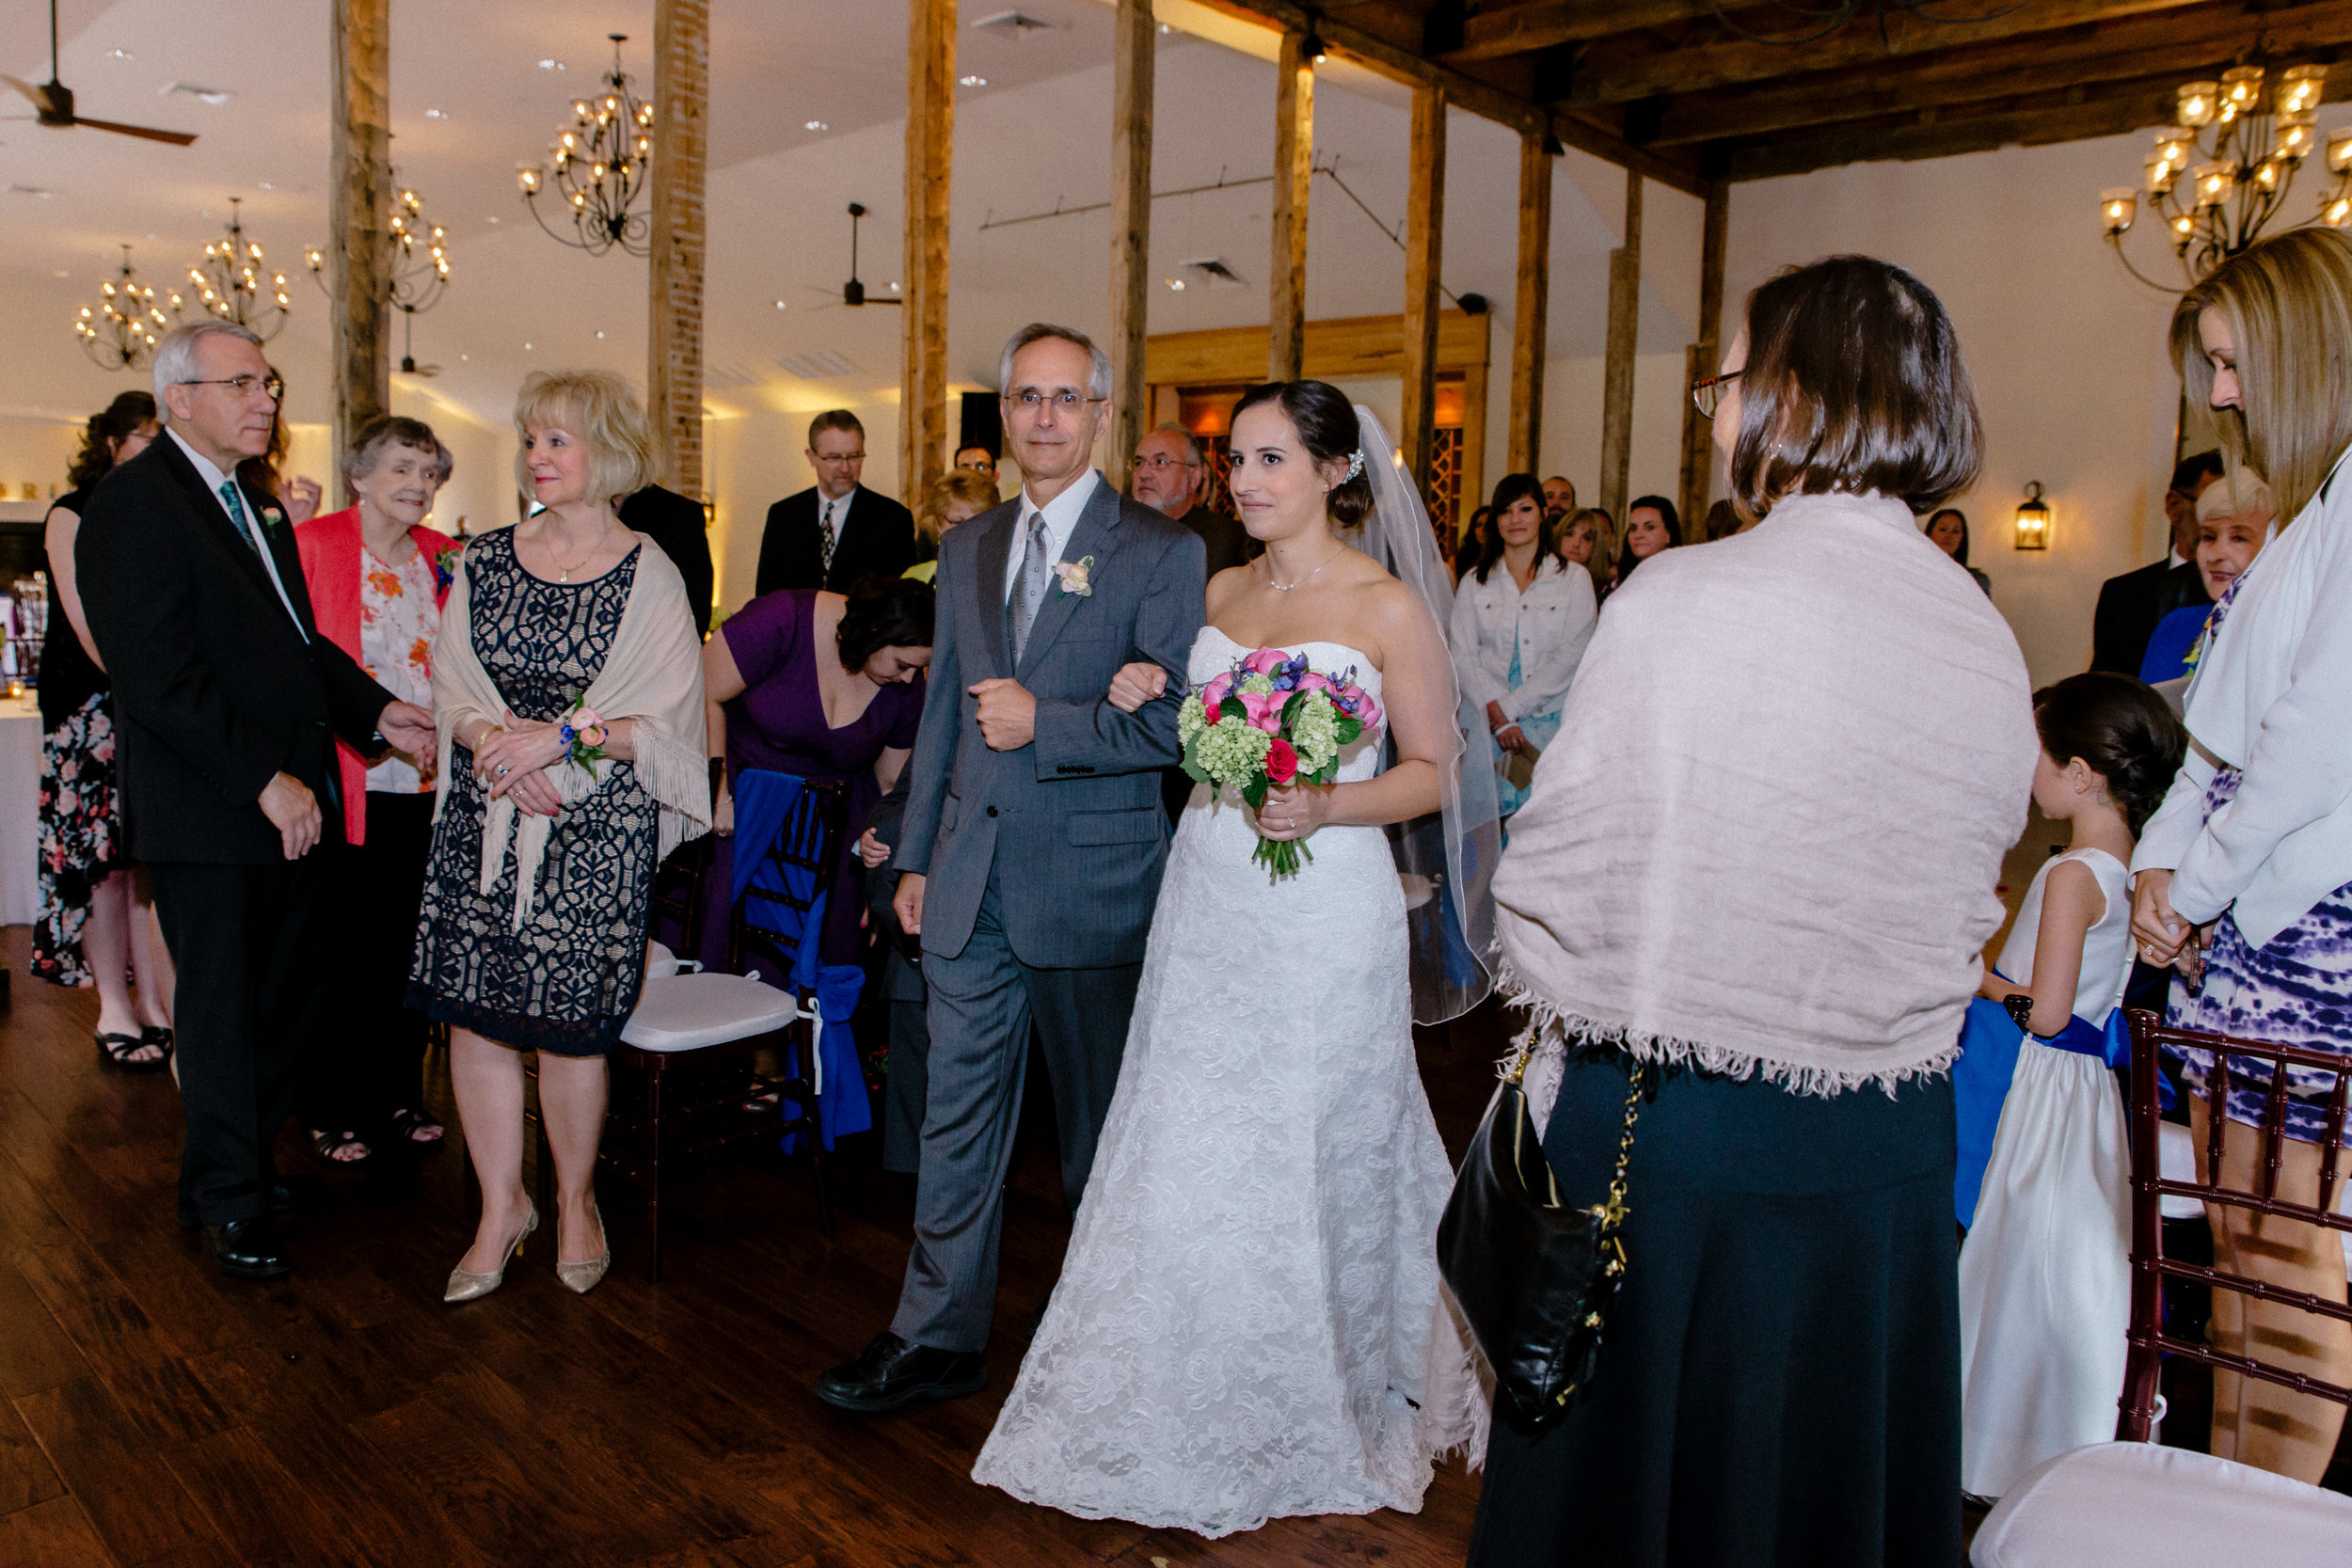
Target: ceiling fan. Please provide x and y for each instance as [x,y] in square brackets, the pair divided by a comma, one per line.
[408,365]
[53,101]
[853,293]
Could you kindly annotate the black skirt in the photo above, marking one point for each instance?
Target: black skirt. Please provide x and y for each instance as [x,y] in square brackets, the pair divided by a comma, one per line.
[1781,1381]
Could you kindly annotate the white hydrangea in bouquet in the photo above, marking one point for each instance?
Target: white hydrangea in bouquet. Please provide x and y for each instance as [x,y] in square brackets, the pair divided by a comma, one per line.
[1271,720]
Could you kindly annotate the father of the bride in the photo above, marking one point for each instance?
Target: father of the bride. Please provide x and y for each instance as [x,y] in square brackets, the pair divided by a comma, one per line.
[1033,842]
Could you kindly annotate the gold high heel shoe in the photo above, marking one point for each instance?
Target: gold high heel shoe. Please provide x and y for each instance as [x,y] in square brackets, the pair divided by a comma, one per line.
[466,1285]
[584,1276]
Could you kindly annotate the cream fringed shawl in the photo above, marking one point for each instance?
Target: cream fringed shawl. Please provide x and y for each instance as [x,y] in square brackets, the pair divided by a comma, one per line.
[1767,837]
[654,676]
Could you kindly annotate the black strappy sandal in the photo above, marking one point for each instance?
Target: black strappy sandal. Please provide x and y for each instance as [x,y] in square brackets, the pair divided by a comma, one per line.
[115,1050]
[329,1144]
[408,1124]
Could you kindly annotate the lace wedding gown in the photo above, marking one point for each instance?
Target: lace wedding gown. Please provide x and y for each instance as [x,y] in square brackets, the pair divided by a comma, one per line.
[1249,1322]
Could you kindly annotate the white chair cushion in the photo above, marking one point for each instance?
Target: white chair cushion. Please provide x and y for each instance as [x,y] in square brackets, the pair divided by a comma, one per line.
[687,1012]
[2140,1505]
[2176,1161]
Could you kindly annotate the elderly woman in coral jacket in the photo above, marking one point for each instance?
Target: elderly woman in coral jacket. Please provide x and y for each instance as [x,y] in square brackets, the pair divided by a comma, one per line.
[377,575]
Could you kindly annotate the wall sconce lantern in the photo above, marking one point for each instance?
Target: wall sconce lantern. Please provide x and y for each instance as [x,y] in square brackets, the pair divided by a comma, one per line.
[2033,520]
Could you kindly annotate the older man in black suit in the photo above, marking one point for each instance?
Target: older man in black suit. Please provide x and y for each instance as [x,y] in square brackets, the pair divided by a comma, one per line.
[836,531]
[2131,605]
[227,706]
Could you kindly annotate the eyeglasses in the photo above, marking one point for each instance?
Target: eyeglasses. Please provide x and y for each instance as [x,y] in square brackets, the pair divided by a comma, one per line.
[244,385]
[840,458]
[1030,400]
[1159,464]
[1709,394]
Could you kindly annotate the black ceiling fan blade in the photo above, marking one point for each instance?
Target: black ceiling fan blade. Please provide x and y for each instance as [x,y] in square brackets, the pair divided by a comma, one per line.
[39,97]
[177,138]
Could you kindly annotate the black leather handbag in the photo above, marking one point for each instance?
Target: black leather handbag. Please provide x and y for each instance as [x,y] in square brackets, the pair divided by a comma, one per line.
[1535,1277]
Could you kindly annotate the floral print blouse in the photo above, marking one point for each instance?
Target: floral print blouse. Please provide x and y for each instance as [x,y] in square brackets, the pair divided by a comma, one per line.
[398,621]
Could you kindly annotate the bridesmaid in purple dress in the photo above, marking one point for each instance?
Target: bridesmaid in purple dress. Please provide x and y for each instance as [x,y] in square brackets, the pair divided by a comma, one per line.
[820,685]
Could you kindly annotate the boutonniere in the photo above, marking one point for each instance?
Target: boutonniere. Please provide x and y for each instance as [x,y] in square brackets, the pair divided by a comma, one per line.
[1073,575]
[445,566]
[271,517]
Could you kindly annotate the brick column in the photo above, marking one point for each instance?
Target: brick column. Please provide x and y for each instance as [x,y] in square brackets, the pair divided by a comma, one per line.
[674,353]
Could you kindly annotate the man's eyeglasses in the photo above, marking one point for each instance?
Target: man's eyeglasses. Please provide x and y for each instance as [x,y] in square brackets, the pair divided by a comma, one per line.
[1709,394]
[244,385]
[1067,400]
[840,458]
[1159,464]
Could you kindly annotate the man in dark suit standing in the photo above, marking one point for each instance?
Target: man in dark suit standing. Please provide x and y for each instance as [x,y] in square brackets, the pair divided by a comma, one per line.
[678,524]
[2131,605]
[227,706]
[836,531]
[1170,475]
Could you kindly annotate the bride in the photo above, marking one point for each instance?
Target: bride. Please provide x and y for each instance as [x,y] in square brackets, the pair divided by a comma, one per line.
[1249,1322]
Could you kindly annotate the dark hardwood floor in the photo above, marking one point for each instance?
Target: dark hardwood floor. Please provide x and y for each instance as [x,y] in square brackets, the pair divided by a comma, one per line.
[157,1413]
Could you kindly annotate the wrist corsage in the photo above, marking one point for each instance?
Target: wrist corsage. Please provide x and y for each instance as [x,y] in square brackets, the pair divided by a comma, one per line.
[583,734]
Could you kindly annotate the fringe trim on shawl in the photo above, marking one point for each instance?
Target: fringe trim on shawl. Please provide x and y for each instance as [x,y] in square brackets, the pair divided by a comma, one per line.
[1551,1026]
[1458,1412]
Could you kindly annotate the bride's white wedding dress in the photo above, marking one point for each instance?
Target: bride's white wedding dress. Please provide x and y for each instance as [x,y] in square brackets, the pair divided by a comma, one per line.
[1248,1324]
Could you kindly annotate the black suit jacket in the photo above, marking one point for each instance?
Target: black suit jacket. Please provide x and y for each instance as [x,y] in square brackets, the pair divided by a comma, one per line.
[1229,543]
[215,690]
[878,540]
[2131,605]
[675,523]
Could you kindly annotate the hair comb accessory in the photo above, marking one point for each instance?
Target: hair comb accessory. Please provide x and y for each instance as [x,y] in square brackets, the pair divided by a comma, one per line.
[1355,462]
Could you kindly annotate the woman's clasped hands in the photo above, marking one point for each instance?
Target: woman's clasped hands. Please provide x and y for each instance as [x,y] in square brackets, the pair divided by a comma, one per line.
[515,758]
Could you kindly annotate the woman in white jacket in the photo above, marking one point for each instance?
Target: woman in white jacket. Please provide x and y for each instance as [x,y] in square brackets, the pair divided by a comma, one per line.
[2244,876]
[1522,619]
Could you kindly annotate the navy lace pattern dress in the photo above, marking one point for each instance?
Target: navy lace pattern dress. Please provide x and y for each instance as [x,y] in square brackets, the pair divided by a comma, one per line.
[568,980]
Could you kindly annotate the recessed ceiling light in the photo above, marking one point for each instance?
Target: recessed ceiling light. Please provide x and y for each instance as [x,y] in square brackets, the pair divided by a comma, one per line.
[973,81]
[550,65]
[268,186]
[779,305]
[434,114]
[526,348]
[493,220]
[894,288]
[214,96]
[119,53]
[464,357]
[1177,284]
[816,125]
[599,335]
[62,272]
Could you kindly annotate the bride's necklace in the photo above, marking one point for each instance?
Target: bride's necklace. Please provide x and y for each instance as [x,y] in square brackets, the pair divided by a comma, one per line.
[1286,587]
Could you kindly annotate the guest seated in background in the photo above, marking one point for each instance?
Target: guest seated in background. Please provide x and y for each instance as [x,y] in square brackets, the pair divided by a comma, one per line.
[1948,531]
[821,686]
[955,497]
[93,929]
[1559,500]
[837,533]
[1170,475]
[2131,606]
[979,460]
[681,527]
[567,682]
[1650,526]
[2234,518]
[1522,619]
[377,575]
[2244,876]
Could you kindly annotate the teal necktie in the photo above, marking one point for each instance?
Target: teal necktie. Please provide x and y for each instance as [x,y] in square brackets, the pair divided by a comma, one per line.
[236,513]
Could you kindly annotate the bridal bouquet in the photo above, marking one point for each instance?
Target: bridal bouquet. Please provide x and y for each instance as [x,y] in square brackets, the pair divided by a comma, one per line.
[1271,720]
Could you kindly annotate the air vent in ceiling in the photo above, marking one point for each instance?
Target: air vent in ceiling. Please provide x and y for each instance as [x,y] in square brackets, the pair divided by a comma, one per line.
[1019,24]
[817,365]
[729,379]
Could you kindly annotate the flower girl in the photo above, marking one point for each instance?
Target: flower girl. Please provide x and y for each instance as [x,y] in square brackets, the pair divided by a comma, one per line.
[2044,1275]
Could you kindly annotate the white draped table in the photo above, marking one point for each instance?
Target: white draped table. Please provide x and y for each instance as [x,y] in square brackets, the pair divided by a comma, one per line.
[19,809]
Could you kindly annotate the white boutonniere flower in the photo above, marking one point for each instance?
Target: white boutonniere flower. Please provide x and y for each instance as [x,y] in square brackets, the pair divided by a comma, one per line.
[1073,575]
[271,516]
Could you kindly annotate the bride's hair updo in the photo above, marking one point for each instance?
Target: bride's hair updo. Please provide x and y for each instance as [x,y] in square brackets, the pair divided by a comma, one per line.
[1326,424]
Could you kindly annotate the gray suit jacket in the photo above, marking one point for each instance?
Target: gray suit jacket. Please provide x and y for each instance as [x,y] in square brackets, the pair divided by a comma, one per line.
[1072,823]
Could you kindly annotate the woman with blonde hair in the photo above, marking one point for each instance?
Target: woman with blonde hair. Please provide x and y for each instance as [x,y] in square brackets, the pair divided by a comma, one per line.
[2242,878]
[567,686]
[955,497]
[1589,538]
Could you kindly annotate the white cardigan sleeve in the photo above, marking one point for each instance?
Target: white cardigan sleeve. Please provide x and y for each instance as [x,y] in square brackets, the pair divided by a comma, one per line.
[1543,684]
[1477,685]
[2165,841]
[2299,766]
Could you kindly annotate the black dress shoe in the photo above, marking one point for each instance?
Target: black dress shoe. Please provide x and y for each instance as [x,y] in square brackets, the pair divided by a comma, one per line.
[278,1196]
[248,1249]
[893,1374]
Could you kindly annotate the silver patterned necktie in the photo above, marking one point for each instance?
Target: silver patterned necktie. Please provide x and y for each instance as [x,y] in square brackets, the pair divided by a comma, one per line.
[1029,592]
[826,538]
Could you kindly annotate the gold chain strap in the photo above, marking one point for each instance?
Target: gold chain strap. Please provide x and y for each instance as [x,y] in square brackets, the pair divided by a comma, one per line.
[1613,1212]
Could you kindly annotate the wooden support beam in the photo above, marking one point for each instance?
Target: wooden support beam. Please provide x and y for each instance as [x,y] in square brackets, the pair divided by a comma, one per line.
[1523,437]
[1134,33]
[1617,382]
[673,306]
[360,181]
[1704,360]
[931,140]
[1424,223]
[1621,70]
[1293,172]
[1401,64]
[1493,33]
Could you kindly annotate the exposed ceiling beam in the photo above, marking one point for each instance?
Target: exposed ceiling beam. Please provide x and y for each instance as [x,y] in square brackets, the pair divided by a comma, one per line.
[1482,99]
[2074,115]
[2186,43]
[1545,23]
[1619,70]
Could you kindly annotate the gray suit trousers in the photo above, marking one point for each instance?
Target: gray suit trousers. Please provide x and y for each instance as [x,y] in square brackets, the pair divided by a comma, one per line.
[983,1002]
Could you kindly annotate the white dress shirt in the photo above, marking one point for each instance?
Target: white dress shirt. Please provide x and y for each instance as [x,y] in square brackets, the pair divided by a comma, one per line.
[1062,519]
[1547,627]
[251,526]
[840,514]
[2272,697]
